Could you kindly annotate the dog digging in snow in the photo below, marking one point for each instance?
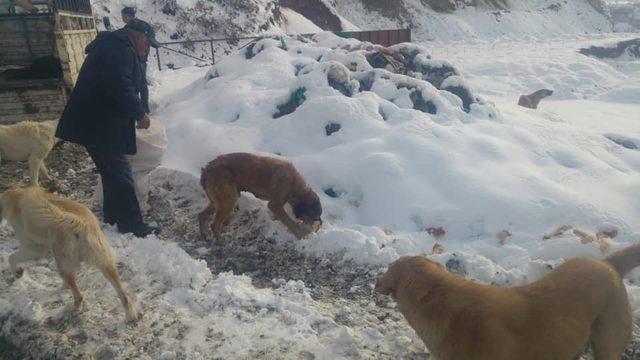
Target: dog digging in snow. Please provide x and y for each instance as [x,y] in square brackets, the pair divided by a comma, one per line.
[581,301]
[28,141]
[45,222]
[274,180]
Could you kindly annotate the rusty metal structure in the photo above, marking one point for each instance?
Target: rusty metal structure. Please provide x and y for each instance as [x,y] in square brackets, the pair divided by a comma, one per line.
[41,52]
[381,37]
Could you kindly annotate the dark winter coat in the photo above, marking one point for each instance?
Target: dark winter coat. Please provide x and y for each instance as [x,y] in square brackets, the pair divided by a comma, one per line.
[104,105]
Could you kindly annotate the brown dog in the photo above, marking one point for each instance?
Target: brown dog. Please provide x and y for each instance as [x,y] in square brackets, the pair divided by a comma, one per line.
[581,301]
[271,179]
[531,101]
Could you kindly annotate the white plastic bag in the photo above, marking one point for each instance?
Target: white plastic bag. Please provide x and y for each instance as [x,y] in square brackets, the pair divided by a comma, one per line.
[151,144]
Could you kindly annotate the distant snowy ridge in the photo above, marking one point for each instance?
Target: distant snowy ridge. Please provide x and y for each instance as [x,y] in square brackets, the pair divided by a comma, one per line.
[429,19]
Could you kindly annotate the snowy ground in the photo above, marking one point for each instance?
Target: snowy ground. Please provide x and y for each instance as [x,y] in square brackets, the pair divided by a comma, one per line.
[393,172]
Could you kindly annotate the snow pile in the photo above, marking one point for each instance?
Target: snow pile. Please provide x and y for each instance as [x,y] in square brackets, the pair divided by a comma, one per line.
[179,20]
[388,169]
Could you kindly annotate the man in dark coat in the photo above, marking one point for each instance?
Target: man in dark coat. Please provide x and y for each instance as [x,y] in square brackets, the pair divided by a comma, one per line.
[101,114]
[145,28]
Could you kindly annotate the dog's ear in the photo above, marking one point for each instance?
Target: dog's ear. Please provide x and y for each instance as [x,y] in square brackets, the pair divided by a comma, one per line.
[384,285]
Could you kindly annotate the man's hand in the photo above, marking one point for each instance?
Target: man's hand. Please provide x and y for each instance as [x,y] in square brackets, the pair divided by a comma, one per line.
[145,122]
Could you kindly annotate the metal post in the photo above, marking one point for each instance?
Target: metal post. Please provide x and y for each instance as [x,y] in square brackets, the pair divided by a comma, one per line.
[27,36]
[213,54]
[158,57]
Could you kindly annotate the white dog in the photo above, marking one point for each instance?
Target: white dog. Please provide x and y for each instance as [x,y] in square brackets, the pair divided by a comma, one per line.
[44,222]
[28,141]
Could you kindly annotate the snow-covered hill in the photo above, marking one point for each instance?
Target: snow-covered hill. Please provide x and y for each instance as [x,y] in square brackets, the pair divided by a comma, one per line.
[536,18]
[433,20]
[387,171]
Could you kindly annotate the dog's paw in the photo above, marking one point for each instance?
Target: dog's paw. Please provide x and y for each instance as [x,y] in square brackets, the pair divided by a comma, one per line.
[133,316]
[78,306]
[73,309]
[221,241]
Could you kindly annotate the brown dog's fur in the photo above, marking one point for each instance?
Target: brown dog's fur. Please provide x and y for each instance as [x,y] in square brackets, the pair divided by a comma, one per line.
[532,101]
[45,222]
[271,179]
[583,300]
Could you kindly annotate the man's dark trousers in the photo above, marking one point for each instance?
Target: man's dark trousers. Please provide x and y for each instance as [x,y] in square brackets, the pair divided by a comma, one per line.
[119,195]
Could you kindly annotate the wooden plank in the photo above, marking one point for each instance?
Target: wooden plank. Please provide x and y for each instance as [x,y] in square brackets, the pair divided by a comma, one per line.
[30,97]
[21,50]
[34,107]
[11,119]
[37,85]
[16,95]
[35,41]
[31,26]
[64,13]
[41,98]
[384,38]
[394,37]
[70,48]
[74,32]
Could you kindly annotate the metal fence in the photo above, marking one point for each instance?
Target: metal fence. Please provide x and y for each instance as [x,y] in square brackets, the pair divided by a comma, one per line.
[208,43]
[79,6]
[204,51]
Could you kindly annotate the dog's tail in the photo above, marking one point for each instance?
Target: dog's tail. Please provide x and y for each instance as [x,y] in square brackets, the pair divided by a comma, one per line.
[625,260]
[203,176]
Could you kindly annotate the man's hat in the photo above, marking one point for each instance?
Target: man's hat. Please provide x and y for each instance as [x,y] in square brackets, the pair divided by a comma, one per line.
[145,28]
[129,11]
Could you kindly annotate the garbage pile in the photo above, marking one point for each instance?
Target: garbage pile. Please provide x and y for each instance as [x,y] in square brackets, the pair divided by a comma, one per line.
[353,67]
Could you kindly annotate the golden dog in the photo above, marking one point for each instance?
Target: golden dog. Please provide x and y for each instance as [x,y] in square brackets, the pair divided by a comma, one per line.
[44,222]
[271,179]
[581,301]
[28,141]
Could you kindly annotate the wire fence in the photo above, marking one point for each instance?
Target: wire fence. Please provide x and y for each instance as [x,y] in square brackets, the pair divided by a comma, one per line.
[203,52]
